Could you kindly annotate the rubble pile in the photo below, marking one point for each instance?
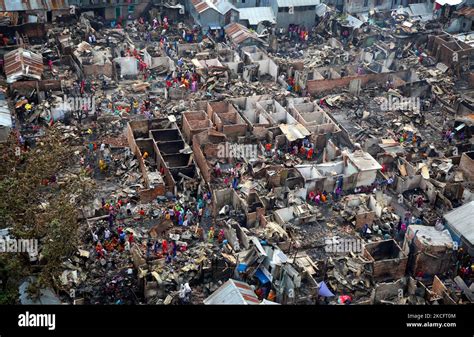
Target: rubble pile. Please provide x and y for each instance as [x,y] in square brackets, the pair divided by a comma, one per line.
[305,165]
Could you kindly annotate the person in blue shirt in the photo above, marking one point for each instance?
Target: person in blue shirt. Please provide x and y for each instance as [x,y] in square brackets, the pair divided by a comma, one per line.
[122,238]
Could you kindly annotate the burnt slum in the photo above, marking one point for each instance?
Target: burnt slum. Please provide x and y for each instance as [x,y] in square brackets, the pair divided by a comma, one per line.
[329,164]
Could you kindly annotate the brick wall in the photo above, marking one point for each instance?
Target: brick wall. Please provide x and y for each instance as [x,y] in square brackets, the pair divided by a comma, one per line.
[201,161]
[317,86]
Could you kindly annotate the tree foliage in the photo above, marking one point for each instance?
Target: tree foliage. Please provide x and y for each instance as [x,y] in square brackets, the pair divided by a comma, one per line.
[35,206]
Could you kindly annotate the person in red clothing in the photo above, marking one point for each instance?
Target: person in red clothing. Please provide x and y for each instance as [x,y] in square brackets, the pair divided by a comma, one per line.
[99,250]
[419,201]
[268,147]
[164,247]
[141,212]
[310,154]
[131,238]
[302,150]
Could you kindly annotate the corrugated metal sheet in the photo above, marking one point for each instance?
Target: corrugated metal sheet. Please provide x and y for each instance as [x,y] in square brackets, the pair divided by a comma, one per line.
[461,220]
[23,63]
[466,11]
[321,9]
[21,5]
[224,6]
[353,22]
[238,33]
[5,113]
[422,11]
[28,5]
[233,28]
[56,4]
[240,37]
[467,38]
[221,7]
[294,132]
[201,7]
[449,2]
[233,292]
[255,15]
[364,161]
[297,3]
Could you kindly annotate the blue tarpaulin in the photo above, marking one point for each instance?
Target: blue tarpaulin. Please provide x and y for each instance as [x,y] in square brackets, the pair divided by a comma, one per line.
[324,290]
[242,267]
[261,276]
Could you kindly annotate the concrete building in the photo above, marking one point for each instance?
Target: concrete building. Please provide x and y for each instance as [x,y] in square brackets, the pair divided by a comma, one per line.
[296,12]
[6,122]
[252,16]
[360,6]
[459,223]
[387,260]
[168,158]
[365,166]
[315,120]
[431,249]
[195,122]
[40,11]
[246,3]
[226,119]
[211,14]
[258,64]
[113,9]
[411,7]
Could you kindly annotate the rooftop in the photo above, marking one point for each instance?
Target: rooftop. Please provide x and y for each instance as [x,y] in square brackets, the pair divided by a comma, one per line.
[255,15]
[23,63]
[297,3]
[233,292]
[364,161]
[460,219]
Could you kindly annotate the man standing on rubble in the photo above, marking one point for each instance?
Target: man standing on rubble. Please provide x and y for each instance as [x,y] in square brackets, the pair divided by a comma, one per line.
[310,153]
[174,246]
[134,106]
[107,234]
[99,250]
[235,182]
[419,201]
[149,246]
[95,237]
[210,235]
[122,238]
[156,247]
